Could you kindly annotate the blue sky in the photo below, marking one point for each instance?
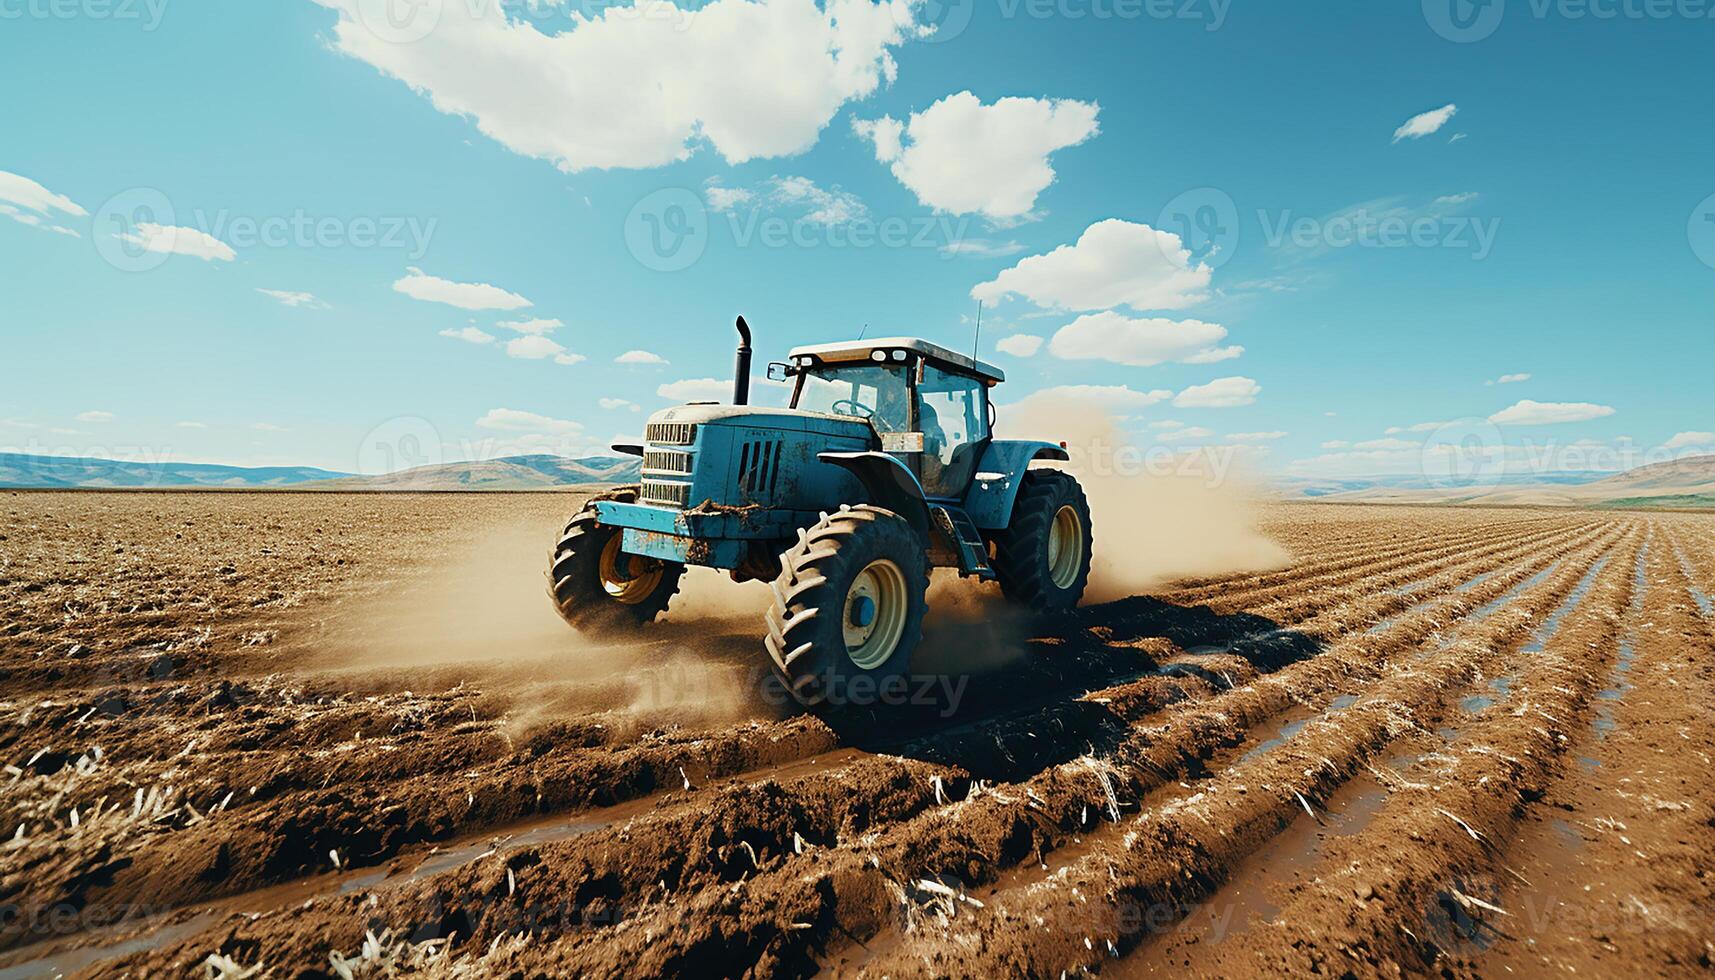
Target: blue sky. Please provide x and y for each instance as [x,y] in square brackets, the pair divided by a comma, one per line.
[239,235]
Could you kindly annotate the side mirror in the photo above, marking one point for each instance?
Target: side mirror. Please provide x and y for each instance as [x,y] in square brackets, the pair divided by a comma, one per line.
[779,370]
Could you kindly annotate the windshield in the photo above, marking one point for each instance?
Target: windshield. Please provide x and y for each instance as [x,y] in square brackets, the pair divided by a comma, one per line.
[876,392]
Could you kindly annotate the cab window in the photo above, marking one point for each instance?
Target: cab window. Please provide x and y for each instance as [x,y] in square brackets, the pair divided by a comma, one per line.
[875,392]
[953,413]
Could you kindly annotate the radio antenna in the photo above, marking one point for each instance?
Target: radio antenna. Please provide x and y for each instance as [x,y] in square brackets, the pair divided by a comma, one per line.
[976,342]
[863,331]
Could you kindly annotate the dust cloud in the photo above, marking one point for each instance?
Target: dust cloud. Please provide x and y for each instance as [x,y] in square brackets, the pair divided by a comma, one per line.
[477,613]
[1156,515]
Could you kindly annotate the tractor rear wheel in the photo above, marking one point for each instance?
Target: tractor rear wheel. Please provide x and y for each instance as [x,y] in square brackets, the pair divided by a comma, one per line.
[1042,558]
[848,607]
[597,586]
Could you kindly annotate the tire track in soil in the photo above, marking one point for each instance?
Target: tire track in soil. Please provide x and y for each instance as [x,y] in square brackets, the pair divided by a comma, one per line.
[1176,852]
[351,833]
[1241,926]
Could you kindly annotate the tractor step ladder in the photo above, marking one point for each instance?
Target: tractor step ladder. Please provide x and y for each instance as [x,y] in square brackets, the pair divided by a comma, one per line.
[962,531]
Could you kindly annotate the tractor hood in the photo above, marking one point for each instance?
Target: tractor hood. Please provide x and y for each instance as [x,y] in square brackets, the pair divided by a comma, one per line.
[745,456]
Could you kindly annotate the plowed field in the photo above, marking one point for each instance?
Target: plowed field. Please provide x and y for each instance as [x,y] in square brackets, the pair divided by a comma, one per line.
[345,734]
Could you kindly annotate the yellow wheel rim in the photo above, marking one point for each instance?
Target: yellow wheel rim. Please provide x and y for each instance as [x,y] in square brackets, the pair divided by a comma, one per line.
[628,579]
[1065,547]
[874,616]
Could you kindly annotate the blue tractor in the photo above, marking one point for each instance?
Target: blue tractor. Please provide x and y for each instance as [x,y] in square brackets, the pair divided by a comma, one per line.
[884,467]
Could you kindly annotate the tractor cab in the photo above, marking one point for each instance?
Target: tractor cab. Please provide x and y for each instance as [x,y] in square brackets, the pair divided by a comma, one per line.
[929,406]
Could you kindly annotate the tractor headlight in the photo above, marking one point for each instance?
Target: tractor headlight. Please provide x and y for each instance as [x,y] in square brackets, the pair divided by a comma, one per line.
[899,355]
[878,355]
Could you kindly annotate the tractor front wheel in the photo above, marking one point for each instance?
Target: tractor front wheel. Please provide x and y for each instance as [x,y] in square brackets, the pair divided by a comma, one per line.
[848,607]
[1042,558]
[597,586]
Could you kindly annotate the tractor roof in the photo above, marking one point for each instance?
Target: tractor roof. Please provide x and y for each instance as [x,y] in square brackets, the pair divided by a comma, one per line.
[861,350]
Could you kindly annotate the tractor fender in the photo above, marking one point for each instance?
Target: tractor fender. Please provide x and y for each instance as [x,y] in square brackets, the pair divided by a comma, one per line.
[999,475]
[889,483]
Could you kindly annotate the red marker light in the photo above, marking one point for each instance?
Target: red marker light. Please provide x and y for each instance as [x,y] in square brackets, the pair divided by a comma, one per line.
[1063,444]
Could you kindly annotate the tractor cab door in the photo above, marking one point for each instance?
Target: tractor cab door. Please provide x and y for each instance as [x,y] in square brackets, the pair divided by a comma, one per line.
[952,412]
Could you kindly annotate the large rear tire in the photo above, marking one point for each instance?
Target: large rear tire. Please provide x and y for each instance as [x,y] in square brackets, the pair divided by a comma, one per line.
[596,586]
[848,607]
[1042,558]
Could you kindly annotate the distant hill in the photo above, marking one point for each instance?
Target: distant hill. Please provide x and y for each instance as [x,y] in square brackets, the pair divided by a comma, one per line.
[1686,482]
[25,472]
[507,473]
[19,471]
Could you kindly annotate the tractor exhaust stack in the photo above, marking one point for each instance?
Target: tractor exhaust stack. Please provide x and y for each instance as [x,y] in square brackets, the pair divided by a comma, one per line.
[741,374]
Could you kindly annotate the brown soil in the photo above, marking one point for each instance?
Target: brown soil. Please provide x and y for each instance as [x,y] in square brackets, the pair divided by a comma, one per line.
[325,733]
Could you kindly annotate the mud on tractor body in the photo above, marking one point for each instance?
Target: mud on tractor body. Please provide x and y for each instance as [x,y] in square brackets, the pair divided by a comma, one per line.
[884,467]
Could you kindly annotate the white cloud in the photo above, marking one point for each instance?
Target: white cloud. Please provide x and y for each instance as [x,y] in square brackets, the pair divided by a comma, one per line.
[718,390]
[268,427]
[1394,430]
[1256,436]
[1336,444]
[1509,379]
[1387,443]
[821,206]
[1167,424]
[29,203]
[1185,434]
[1019,345]
[1113,337]
[1684,439]
[178,241]
[464,295]
[982,248]
[537,348]
[95,416]
[469,335]
[962,157]
[1233,392]
[1114,263]
[813,203]
[1111,398]
[26,193]
[639,357]
[513,420]
[723,199]
[192,425]
[1425,123]
[643,86]
[1529,412]
[294,300]
[535,327]
[614,404]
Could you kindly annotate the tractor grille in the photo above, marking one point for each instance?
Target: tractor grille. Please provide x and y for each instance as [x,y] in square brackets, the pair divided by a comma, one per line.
[665,494]
[759,467]
[671,433]
[667,461]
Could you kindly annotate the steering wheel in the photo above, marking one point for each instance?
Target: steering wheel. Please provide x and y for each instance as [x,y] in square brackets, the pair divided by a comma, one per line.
[858,409]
